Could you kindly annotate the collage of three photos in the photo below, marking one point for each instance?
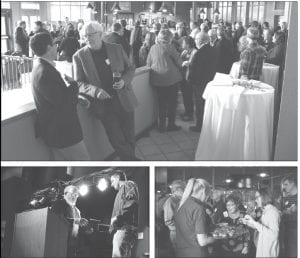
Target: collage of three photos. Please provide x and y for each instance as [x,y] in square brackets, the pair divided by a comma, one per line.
[149,129]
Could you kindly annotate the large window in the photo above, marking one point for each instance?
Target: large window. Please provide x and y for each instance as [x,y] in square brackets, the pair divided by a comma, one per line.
[30,20]
[225,9]
[30,6]
[6,41]
[73,10]
[256,11]
[279,5]
[241,11]
[5,5]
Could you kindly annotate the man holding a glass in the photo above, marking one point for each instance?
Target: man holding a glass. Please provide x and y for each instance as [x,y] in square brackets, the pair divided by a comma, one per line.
[104,74]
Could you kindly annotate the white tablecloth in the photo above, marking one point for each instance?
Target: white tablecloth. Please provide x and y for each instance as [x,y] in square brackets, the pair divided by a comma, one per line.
[237,123]
[270,73]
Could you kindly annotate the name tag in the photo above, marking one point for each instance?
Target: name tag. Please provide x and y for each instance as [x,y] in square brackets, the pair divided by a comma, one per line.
[107,61]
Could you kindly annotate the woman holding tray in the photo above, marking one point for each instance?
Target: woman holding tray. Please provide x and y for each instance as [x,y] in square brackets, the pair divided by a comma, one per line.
[236,245]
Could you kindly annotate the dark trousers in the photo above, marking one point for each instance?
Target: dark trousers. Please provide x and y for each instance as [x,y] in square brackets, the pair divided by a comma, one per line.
[167,102]
[187,95]
[119,127]
[199,103]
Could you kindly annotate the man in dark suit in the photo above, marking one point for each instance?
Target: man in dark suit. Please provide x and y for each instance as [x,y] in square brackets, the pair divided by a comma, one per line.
[224,52]
[201,70]
[127,33]
[117,37]
[113,101]
[66,209]
[55,98]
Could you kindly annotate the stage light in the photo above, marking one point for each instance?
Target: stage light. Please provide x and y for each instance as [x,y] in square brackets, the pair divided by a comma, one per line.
[102,184]
[33,202]
[263,174]
[228,180]
[83,190]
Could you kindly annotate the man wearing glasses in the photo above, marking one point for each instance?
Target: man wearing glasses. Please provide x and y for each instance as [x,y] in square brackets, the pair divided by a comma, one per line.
[67,209]
[104,73]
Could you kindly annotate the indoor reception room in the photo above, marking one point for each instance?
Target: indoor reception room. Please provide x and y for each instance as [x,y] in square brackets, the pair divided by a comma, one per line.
[226,212]
[149,80]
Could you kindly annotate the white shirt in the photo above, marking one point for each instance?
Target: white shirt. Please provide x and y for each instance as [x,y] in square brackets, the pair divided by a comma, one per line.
[268,229]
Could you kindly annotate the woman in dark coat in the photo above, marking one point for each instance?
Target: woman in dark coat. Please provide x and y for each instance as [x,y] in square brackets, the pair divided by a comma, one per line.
[276,54]
[68,46]
[136,42]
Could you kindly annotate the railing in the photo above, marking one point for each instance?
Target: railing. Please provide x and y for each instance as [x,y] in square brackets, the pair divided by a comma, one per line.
[15,72]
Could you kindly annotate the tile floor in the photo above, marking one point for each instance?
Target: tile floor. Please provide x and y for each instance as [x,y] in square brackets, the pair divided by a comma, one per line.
[180,145]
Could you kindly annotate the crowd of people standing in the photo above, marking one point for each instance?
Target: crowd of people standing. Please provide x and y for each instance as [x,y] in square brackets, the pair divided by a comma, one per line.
[179,58]
[190,213]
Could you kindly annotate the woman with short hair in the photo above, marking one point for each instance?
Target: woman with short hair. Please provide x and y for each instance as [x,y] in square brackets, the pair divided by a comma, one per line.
[191,220]
[267,227]
[238,246]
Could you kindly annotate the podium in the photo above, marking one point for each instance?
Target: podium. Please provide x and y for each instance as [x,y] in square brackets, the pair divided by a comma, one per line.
[39,233]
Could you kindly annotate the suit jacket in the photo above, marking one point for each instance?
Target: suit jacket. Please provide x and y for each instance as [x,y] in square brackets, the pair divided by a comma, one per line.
[56,104]
[202,67]
[225,55]
[85,73]
[115,38]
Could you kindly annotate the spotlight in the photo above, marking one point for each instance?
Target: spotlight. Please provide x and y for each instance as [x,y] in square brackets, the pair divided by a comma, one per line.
[263,174]
[33,202]
[83,190]
[228,180]
[102,184]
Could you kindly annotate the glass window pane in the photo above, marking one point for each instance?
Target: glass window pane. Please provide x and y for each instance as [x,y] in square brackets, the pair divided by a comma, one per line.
[29,5]
[65,12]
[243,14]
[86,14]
[55,13]
[26,19]
[75,13]
[4,46]
[3,26]
[261,13]
[279,5]
[255,13]
[229,14]
[5,5]
[33,19]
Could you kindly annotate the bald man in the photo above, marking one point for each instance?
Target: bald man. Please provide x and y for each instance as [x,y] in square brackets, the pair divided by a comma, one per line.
[66,208]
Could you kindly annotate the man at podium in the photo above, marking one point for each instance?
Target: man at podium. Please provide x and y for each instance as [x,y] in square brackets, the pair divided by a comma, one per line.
[124,219]
[67,209]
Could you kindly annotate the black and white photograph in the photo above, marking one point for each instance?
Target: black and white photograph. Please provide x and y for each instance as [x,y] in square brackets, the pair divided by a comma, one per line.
[149,80]
[66,212]
[226,212]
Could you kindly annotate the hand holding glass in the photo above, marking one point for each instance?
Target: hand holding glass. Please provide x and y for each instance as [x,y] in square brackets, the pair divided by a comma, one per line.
[117,84]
